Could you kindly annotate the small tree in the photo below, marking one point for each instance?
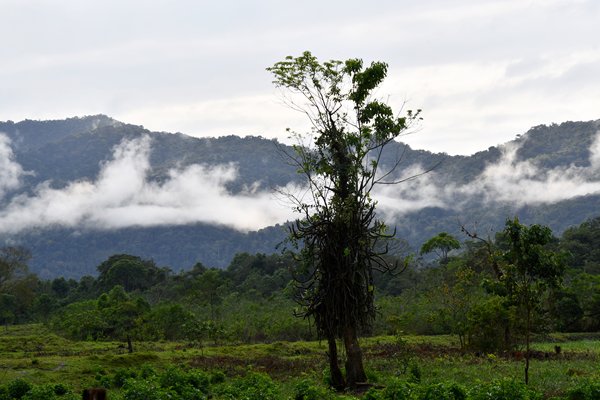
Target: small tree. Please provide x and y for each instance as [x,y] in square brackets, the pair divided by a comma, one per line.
[121,313]
[441,244]
[531,267]
[338,232]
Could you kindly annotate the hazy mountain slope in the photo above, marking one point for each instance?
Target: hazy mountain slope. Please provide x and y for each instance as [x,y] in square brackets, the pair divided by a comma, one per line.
[76,149]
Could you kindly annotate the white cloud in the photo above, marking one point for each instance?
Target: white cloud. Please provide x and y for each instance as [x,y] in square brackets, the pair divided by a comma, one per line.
[122,196]
[10,171]
[508,181]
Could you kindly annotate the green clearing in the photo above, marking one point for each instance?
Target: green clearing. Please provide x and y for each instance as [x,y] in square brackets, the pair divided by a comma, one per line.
[35,354]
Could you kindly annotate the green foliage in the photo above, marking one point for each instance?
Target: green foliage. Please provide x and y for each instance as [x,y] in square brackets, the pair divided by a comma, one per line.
[306,390]
[488,323]
[441,244]
[49,392]
[442,391]
[167,321]
[503,389]
[586,390]
[184,382]
[531,267]
[395,390]
[130,272]
[337,232]
[173,383]
[17,285]
[18,388]
[137,389]
[60,389]
[254,386]
[121,376]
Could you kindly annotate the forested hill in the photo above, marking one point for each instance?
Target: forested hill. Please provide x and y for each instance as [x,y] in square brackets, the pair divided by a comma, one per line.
[461,189]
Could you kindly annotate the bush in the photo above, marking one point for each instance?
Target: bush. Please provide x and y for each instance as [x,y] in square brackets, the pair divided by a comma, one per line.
[60,389]
[443,391]
[185,383]
[147,371]
[41,392]
[586,390]
[18,388]
[254,386]
[4,393]
[135,389]
[217,377]
[121,375]
[505,389]
[305,390]
[487,322]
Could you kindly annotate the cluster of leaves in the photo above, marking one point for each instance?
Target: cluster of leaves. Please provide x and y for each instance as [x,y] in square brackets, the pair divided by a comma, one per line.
[504,389]
[178,384]
[20,389]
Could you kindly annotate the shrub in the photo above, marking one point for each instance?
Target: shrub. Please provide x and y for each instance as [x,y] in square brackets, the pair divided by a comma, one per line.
[443,391]
[504,389]
[182,382]
[305,390]
[60,389]
[487,322]
[586,390]
[415,373]
[121,375]
[41,392]
[18,388]
[146,371]
[217,377]
[254,386]
[137,389]
[4,393]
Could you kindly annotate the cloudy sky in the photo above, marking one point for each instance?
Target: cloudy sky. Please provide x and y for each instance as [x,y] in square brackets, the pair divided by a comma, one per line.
[482,71]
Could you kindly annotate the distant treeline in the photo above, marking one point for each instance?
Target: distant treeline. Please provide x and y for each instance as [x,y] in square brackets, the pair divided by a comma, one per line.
[252,300]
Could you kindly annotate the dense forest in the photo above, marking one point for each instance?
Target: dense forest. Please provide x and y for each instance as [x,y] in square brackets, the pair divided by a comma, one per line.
[490,286]
[452,290]
[238,327]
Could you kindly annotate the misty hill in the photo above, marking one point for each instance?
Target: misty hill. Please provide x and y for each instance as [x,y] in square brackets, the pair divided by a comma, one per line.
[547,175]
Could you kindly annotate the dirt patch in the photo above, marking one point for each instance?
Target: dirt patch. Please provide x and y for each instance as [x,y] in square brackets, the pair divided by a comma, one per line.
[276,367]
[424,350]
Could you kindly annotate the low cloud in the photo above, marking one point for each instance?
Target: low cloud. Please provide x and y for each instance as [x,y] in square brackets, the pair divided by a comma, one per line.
[122,196]
[508,181]
[10,171]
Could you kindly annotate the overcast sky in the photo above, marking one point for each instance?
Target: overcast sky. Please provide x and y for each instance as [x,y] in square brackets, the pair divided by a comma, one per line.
[482,71]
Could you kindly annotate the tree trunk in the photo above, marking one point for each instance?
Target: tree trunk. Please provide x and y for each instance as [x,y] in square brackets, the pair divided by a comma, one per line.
[355,371]
[337,379]
[527,340]
[129,344]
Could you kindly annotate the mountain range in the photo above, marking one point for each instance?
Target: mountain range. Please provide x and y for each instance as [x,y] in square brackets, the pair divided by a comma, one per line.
[78,190]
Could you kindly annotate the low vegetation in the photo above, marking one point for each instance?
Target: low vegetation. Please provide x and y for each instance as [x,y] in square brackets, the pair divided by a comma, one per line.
[36,363]
[445,328]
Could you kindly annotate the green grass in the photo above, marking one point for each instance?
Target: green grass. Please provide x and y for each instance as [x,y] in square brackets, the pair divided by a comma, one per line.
[34,353]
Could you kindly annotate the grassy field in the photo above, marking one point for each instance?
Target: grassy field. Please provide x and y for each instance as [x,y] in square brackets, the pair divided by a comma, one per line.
[38,356]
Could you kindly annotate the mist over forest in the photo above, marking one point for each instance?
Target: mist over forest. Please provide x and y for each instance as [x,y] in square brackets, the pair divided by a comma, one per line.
[78,190]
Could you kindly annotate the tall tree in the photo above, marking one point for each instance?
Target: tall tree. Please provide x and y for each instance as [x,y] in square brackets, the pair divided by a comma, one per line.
[338,232]
[17,285]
